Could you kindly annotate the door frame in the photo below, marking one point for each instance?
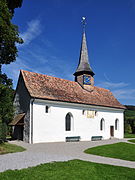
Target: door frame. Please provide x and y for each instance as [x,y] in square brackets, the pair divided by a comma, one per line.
[111,131]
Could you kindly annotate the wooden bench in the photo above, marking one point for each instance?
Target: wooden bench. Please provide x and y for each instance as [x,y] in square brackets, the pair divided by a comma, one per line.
[96,138]
[73,138]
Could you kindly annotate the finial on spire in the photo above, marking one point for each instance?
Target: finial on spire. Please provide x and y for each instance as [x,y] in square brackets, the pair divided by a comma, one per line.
[83,22]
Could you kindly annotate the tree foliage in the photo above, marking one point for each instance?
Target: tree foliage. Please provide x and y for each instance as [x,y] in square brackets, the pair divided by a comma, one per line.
[3,132]
[9,37]
[130,107]
[127,128]
[6,99]
[6,105]
[129,119]
[9,34]
[12,4]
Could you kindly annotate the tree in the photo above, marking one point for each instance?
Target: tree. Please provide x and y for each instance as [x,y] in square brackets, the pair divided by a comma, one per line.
[9,37]
[6,104]
[6,99]
[9,34]
[129,117]
[12,4]
[128,128]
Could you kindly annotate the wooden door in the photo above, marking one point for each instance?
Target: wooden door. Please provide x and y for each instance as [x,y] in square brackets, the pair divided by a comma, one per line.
[112,131]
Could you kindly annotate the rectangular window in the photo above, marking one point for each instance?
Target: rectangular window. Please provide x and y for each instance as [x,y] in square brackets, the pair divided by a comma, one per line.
[83,112]
[47,108]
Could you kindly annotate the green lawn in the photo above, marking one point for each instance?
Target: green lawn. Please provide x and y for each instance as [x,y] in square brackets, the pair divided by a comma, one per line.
[71,170]
[132,140]
[129,135]
[10,148]
[120,150]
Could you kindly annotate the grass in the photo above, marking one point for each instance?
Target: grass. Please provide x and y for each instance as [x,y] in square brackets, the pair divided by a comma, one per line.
[132,140]
[10,148]
[129,135]
[74,170]
[120,150]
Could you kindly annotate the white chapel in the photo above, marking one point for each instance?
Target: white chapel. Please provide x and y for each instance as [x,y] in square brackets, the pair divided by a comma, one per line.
[50,109]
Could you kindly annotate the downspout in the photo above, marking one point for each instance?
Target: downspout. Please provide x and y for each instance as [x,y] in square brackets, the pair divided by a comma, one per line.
[31,121]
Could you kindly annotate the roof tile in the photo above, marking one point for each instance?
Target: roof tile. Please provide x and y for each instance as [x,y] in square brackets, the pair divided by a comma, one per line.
[52,88]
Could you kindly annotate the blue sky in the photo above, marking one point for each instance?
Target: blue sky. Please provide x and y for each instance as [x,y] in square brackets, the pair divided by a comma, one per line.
[52,33]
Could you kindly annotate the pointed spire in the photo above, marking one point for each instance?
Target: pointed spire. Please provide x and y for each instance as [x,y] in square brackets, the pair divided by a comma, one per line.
[84,66]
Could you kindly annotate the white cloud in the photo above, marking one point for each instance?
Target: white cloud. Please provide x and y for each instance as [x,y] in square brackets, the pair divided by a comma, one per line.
[111,85]
[124,94]
[33,30]
[13,69]
[35,58]
[120,90]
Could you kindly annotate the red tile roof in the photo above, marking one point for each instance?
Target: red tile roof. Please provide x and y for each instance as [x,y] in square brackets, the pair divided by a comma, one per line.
[52,88]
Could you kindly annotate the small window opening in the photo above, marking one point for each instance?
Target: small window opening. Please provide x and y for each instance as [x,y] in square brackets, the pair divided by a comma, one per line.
[96,113]
[83,111]
[102,122]
[47,109]
[116,124]
[68,122]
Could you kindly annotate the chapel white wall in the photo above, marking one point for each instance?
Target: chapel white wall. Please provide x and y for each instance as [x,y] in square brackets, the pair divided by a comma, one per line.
[50,127]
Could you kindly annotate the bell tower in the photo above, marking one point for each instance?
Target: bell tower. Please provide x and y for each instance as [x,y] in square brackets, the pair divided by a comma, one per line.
[84,74]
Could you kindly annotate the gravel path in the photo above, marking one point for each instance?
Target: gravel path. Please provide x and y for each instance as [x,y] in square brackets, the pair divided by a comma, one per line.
[62,151]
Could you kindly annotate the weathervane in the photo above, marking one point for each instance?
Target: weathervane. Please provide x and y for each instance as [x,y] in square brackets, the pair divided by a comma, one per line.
[83,22]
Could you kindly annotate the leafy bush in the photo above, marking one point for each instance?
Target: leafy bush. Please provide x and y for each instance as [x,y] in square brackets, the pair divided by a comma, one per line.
[128,129]
[129,118]
[3,130]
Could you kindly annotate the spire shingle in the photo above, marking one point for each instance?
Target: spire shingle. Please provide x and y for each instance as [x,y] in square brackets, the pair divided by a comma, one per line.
[84,66]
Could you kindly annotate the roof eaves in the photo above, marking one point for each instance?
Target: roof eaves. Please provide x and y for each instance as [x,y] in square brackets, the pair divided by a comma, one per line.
[101,105]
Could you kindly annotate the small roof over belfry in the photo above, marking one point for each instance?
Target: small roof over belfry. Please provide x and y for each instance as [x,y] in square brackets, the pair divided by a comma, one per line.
[84,66]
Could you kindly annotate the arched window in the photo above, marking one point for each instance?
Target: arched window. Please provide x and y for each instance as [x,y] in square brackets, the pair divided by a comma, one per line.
[102,124]
[116,124]
[68,122]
